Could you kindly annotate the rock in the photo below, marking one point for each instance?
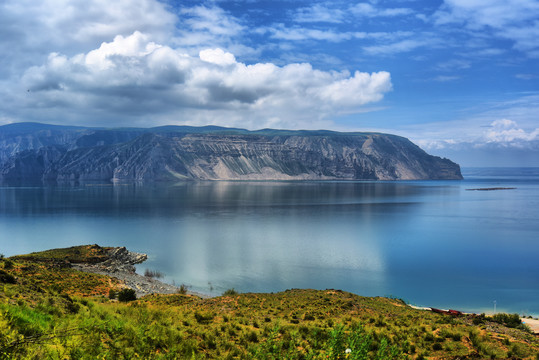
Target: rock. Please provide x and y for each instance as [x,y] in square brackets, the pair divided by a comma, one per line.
[180,153]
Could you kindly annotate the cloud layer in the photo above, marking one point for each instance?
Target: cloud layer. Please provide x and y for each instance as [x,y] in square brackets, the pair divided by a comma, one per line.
[136,75]
[516,20]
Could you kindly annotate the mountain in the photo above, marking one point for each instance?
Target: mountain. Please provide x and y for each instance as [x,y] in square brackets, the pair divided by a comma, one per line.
[32,151]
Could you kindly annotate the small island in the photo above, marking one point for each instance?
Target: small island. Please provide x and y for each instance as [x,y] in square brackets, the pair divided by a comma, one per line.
[86,302]
[492,189]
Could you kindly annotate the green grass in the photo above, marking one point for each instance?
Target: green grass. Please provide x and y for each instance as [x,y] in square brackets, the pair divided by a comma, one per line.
[67,319]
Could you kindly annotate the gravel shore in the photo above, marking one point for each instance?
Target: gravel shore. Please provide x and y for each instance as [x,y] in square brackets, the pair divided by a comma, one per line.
[120,265]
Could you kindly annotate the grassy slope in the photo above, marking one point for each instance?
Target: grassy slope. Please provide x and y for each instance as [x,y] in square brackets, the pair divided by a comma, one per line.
[55,312]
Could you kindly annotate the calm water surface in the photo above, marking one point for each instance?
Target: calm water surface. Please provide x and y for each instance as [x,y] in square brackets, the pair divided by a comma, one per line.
[432,243]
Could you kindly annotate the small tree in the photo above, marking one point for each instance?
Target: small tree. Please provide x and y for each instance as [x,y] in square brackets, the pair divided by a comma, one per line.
[112,294]
[8,264]
[7,278]
[183,289]
[126,295]
[230,292]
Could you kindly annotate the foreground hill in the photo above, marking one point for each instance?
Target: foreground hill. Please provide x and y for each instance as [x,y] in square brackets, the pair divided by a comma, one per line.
[30,151]
[50,310]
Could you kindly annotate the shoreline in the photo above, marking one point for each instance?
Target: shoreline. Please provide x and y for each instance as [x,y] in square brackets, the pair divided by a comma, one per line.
[120,263]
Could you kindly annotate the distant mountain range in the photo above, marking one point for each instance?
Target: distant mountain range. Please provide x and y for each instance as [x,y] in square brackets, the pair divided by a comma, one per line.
[34,151]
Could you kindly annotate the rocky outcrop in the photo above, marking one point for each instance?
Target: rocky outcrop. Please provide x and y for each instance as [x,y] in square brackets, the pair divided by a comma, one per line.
[119,263]
[178,153]
[121,259]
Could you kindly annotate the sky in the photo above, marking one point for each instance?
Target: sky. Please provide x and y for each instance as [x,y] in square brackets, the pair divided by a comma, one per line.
[460,78]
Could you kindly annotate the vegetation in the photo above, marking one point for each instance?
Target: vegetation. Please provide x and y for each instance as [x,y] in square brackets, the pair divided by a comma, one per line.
[153,274]
[230,292]
[126,295]
[59,313]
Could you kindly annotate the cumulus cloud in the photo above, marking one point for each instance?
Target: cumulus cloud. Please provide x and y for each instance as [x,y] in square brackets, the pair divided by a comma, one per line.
[500,133]
[134,75]
[508,132]
[64,25]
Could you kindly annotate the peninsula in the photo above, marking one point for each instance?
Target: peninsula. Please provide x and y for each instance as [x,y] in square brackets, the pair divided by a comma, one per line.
[33,151]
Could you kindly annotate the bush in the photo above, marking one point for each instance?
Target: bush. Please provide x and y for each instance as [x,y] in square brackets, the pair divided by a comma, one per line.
[230,292]
[112,294]
[154,274]
[182,289]
[126,295]
[7,278]
[479,319]
[509,320]
[203,317]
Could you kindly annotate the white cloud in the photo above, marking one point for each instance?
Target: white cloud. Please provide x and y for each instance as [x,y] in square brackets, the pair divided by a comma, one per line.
[368,10]
[506,131]
[459,135]
[217,56]
[516,20]
[69,25]
[328,13]
[282,32]
[446,78]
[319,13]
[135,76]
[405,45]
[455,64]
[202,27]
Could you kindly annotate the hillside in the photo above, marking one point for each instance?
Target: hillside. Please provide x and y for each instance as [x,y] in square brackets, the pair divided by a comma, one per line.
[50,310]
[44,152]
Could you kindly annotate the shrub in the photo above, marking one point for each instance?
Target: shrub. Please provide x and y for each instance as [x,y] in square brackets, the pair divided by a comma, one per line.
[7,278]
[252,337]
[479,319]
[126,295]
[8,264]
[203,317]
[230,292]
[182,289]
[112,294]
[154,274]
[509,320]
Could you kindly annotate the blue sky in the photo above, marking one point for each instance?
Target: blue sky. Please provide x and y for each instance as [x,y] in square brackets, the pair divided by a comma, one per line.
[458,77]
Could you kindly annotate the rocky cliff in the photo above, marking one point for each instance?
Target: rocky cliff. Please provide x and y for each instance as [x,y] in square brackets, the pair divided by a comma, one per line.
[213,153]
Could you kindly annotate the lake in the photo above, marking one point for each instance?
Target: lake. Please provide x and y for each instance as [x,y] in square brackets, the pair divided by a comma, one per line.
[431,243]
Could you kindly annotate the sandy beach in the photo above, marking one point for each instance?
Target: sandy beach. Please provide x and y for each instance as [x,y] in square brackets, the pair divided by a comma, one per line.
[532,323]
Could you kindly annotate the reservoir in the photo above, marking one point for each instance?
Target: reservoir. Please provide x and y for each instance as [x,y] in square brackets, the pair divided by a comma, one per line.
[443,244]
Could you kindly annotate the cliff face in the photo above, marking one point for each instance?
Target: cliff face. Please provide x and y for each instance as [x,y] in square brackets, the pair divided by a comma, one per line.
[225,154]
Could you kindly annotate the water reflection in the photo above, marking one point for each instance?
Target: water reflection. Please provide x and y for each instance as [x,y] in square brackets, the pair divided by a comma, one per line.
[433,243]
